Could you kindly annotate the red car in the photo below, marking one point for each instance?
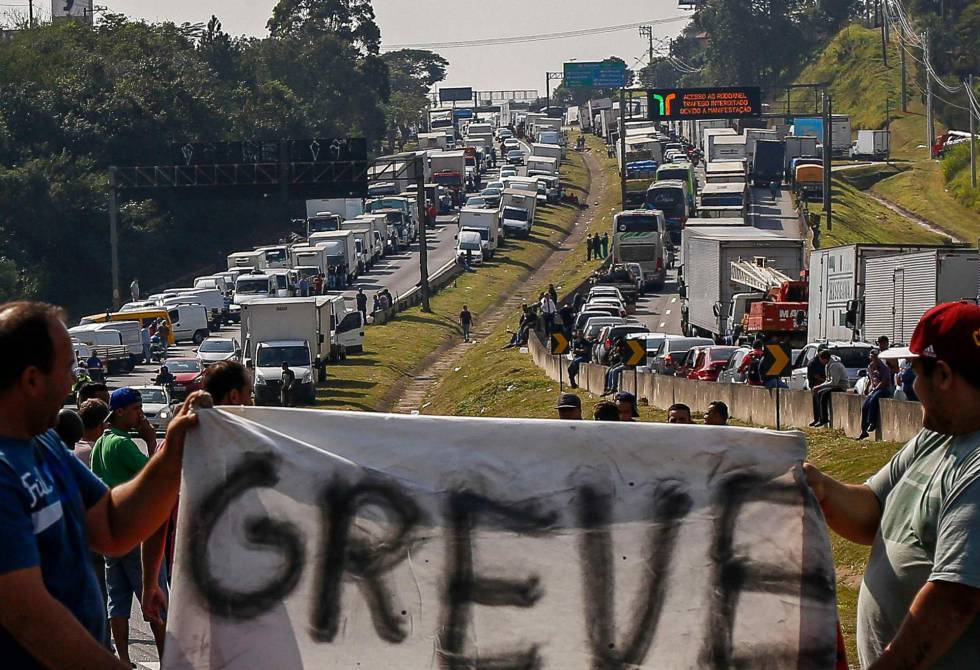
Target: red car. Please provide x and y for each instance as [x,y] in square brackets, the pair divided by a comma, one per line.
[188,376]
[708,362]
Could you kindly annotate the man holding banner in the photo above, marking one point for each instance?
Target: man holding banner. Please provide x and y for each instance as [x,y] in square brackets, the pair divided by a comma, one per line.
[920,595]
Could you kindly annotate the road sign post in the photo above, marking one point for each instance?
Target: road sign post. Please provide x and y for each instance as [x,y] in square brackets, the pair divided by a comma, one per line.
[559,346]
[776,364]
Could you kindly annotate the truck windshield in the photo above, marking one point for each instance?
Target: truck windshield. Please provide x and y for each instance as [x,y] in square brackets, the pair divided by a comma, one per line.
[472,243]
[514,214]
[323,224]
[484,232]
[252,286]
[275,255]
[273,357]
[448,179]
[637,224]
[676,173]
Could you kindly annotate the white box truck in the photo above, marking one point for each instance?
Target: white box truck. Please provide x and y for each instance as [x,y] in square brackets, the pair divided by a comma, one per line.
[872,144]
[365,242]
[726,148]
[753,135]
[346,208]
[247,259]
[547,151]
[542,164]
[484,221]
[710,132]
[900,289]
[517,212]
[707,289]
[340,247]
[837,289]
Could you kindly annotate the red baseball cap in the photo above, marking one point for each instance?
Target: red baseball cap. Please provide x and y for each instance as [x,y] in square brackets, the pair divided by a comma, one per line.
[949,332]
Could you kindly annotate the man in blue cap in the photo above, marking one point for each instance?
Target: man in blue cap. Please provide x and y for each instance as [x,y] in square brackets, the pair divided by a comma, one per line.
[117,459]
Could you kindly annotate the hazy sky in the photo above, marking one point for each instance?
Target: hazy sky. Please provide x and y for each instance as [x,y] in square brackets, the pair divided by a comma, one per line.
[501,67]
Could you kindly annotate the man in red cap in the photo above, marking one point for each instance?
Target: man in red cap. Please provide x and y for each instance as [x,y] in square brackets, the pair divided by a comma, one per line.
[920,595]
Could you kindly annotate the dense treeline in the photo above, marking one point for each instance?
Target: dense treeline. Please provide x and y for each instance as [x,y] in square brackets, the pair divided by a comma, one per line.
[75,99]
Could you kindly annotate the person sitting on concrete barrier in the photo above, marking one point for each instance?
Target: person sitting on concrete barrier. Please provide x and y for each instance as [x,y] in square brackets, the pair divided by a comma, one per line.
[582,353]
[920,513]
[569,407]
[679,413]
[880,385]
[835,382]
[716,414]
[605,411]
[626,404]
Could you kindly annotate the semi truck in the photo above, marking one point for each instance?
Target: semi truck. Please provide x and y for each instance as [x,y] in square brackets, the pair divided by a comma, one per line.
[753,135]
[707,288]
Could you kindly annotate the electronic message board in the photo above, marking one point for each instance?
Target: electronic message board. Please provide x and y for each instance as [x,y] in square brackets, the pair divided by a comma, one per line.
[737,102]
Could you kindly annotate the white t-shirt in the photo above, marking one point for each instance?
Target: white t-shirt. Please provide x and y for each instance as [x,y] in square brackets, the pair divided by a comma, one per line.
[83,452]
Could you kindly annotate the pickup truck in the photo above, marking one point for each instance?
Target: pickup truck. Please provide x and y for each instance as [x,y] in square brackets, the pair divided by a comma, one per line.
[622,278]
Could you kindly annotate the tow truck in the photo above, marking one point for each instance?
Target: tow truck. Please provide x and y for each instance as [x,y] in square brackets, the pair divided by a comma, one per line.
[776,310]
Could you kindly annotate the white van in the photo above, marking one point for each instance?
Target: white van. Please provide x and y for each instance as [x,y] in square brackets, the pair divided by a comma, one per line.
[469,244]
[219,282]
[211,298]
[190,322]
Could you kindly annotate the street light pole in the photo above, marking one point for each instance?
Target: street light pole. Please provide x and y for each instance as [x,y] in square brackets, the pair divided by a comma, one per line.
[973,139]
[423,233]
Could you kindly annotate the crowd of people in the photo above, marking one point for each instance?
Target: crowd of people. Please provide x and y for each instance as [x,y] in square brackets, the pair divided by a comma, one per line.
[79,498]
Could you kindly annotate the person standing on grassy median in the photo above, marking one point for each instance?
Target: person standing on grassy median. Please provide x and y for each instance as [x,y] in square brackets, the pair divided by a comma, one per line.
[605,244]
[465,321]
[920,513]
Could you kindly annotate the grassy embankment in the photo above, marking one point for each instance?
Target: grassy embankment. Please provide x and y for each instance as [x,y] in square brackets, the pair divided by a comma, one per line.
[868,91]
[396,350]
[505,383]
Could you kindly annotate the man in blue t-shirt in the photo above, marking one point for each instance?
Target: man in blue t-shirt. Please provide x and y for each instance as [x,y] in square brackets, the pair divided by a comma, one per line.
[53,509]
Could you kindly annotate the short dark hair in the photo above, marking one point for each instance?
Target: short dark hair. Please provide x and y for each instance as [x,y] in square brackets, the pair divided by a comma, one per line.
[222,378]
[680,407]
[25,338]
[971,375]
[91,390]
[94,412]
[721,407]
[824,353]
[605,411]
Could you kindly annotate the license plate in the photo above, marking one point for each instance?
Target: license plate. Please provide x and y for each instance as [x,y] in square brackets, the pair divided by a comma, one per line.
[179,387]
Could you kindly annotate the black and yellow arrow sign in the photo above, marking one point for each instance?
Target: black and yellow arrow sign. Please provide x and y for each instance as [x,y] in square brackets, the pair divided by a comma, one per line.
[776,362]
[638,352]
[559,344]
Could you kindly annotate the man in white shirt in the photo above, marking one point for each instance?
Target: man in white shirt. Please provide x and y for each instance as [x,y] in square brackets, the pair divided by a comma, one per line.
[548,311]
[835,381]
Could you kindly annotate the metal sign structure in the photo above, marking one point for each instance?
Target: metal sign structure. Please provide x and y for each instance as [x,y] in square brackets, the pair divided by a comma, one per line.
[559,344]
[460,94]
[776,361]
[733,102]
[604,74]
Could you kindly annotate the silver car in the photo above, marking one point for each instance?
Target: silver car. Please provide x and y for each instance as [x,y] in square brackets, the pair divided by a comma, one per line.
[671,351]
[217,349]
[156,406]
[730,374]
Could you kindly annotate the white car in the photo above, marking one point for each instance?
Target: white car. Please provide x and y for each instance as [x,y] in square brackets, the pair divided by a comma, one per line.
[156,406]
[217,349]
[605,291]
[507,172]
[854,356]
[511,143]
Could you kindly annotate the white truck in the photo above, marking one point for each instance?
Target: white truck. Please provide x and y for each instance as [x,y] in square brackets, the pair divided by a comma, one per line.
[753,135]
[409,206]
[247,259]
[726,148]
[542,164]
[517,212]
[294,331]
[379,223]
[484,221]
[213,299]
[323,222]
[707,289]
[338,246]
[712,132]
[448,169]
[365,242]
[276,256]
[346,208]
[435,140]
[872,144]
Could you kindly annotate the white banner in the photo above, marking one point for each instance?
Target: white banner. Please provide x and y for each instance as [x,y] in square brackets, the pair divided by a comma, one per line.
[311,539]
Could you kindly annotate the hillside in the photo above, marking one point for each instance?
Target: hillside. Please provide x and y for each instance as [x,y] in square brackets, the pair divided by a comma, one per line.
[867,90]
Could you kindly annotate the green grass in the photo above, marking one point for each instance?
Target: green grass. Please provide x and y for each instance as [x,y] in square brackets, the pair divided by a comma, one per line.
[956,171]
[923,190]
[396,350]
[860,219]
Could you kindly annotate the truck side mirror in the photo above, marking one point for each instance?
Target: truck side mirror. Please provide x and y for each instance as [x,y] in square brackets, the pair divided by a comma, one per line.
[716,309]
[248,363]
[851,315]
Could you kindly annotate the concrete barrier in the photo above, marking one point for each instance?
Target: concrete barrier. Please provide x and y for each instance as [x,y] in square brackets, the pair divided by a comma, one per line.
[845,411]
[901,420]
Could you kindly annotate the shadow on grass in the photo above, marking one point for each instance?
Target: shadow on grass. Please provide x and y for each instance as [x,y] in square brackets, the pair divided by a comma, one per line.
[427,319]
[511,261]
[359,360]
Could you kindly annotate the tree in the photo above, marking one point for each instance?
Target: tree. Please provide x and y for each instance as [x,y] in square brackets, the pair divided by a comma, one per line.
[350,20]
[411,74]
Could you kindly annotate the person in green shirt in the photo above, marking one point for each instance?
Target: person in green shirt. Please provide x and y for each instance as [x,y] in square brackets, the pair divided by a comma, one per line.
[117,459]
[920,595]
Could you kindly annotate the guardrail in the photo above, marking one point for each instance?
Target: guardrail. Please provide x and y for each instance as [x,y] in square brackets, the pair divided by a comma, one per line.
[900,420]
[413,296]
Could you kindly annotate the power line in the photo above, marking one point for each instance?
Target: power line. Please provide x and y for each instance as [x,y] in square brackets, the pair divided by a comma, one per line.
[520,39]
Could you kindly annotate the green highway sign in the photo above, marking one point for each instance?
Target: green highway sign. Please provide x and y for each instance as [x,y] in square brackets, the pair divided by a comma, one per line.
[604,74]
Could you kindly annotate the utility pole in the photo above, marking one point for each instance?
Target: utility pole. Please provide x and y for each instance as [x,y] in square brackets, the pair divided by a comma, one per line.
[30,13]
[884,31]
[622,146]
[114,236]
[888,127]
[973,139]
[901,53]
[930,128]
[647,31]
[423,237]
[828,140]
